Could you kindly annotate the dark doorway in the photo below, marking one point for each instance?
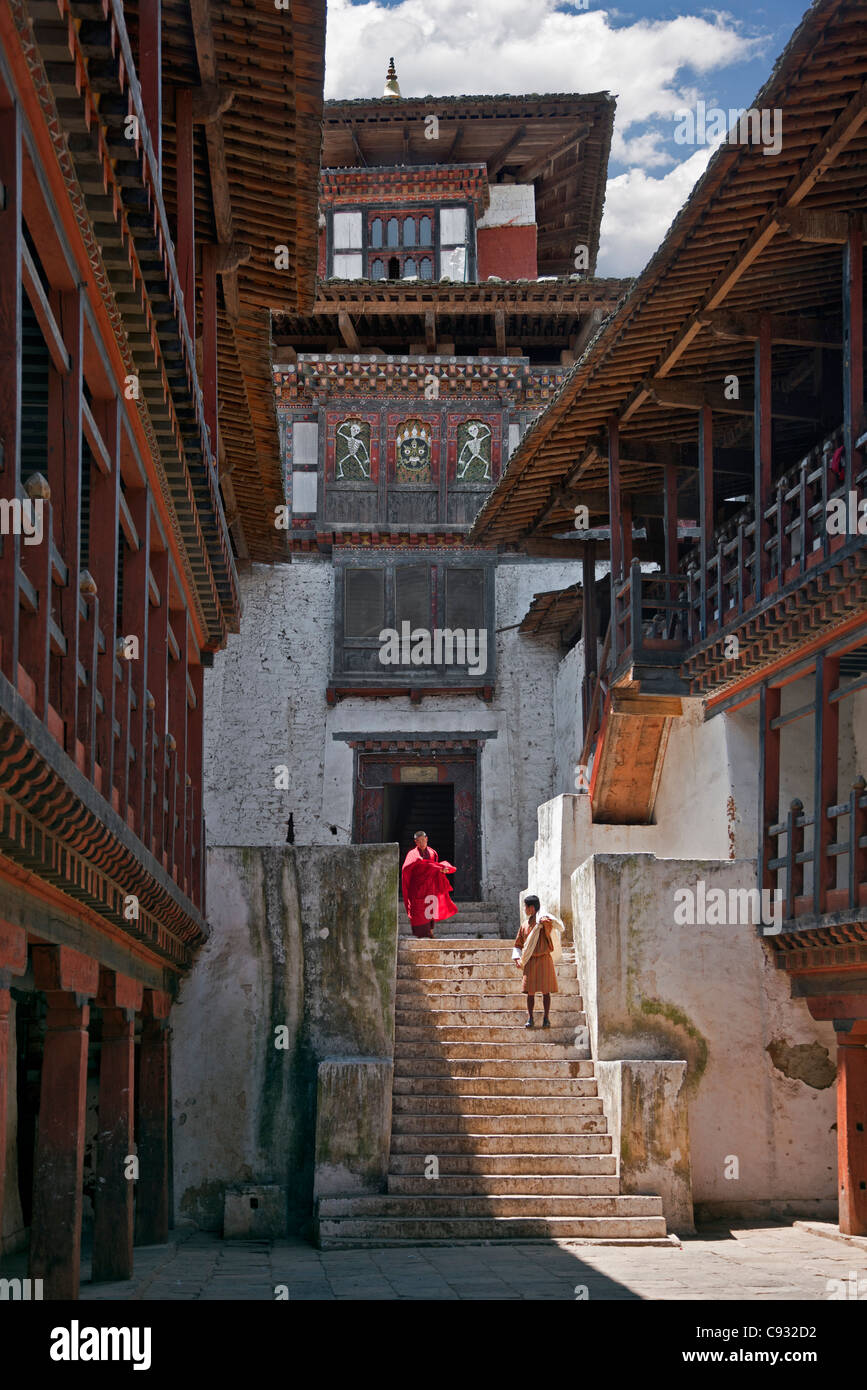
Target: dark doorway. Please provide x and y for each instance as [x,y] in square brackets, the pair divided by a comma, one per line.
[429,807]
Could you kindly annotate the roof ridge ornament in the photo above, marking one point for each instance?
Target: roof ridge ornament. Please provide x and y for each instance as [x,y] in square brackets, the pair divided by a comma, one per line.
[392,86]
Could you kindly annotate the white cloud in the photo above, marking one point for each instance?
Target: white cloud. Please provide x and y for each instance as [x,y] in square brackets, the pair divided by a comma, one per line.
[452,47]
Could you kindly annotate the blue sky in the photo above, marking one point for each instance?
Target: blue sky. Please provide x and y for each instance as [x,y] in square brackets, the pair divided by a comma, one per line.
[657,59]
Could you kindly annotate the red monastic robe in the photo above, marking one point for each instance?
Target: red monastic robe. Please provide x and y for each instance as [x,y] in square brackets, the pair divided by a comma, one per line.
[427,893]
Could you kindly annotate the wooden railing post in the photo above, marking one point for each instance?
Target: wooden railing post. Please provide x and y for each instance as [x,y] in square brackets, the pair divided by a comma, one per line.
[857,833]
[794,847]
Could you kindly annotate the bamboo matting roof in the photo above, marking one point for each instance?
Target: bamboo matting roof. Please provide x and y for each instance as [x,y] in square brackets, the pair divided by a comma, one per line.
[741,244]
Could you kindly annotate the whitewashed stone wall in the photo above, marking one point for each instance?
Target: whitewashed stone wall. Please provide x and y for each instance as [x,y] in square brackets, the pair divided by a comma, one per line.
[265,706]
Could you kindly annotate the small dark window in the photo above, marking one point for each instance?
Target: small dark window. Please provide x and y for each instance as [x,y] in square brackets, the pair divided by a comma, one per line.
[393,232]
[465,598]
[425,232]
[364,602]
[409,232]
[394,267]
[376,232]
[412,595]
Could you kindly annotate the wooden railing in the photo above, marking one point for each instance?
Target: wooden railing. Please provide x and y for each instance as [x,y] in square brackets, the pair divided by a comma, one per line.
[786,869]
[651,618]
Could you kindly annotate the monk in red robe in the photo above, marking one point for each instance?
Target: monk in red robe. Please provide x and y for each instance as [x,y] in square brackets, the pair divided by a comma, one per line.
[427,893]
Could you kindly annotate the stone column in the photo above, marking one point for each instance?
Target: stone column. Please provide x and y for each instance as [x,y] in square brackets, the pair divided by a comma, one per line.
[13,961]
[119,998]
[852,1132]
[152,1190]
[69,979]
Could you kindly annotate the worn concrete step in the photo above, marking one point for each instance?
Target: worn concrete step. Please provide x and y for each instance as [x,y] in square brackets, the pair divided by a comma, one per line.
[471,995]
[504,1030]
[510,1017]
[427,950]
[424,1067]
[432,1205]
[507,1105]
[382,1230]
[460,1087]
[471,1050]
[477,1144]
[412,971]
[474,1122]
[505,1185]
[507,1165]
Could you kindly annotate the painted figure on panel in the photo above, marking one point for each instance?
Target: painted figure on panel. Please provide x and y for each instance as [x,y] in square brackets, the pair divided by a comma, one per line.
[352,455]
[474,452]
[427,893]
[412,462]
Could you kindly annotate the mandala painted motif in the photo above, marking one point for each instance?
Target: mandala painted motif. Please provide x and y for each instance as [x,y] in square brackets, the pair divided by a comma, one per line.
[474,453]
[412,457]
[352,452]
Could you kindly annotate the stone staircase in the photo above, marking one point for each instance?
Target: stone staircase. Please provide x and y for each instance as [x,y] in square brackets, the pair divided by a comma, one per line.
[497,1132]
[474,919]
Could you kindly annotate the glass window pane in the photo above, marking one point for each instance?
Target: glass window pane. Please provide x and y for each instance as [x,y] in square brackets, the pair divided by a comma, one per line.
[364,602]
[347,231]
[412,595]
[453,264]
[425,232]
[409,267]
[348,267]
[393,229]
[409,232]
[376,232]
[425,269]
[453,225]
[377,270]
[465,598]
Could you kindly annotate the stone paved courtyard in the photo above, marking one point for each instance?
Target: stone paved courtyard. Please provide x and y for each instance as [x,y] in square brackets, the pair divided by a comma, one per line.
[745,1262]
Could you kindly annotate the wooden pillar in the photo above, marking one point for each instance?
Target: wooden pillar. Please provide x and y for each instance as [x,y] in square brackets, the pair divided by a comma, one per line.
[150,65]
[119,998]
[186,250]
[104,519]
[826,726]
[852,1133]
[853,348]
[209,341]
[195,761]
[706,511]
[762,450]
[69,980]
[158,659]
[64,478]
[10,378]
[615,503]
[13,961]
[152,1193]
[769,782]
[136,607]
[178,726]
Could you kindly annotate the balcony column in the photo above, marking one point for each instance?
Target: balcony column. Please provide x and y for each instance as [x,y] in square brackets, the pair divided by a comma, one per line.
[10,375]
[826,729]
[152,1193]
[853,349]
[762,451]
[588,623]
[69,980]
[769,782]
[13,961]
[852,1128]
[119,998]
[209,342]
[150,65]
[615,504]
[706,511]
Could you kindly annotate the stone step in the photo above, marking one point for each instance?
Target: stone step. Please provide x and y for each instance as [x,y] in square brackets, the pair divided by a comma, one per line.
[503,1030]
[480,972]
[471,1050]
[433,1206]
[383,1231]
[440,951]
[510,1016]
[528,1184]
[430,1068]
[507,1105]
[468,994]
[475,1122]
[460,1087]
[495,1142]
[508,1165]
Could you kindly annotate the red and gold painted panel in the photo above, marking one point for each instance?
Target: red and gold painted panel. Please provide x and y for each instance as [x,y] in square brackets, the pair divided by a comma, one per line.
[413,445]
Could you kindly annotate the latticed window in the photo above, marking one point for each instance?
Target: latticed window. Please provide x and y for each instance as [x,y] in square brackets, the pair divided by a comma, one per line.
[401,244]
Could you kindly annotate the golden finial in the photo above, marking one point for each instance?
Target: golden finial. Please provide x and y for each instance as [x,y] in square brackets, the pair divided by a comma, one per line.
[392,87]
